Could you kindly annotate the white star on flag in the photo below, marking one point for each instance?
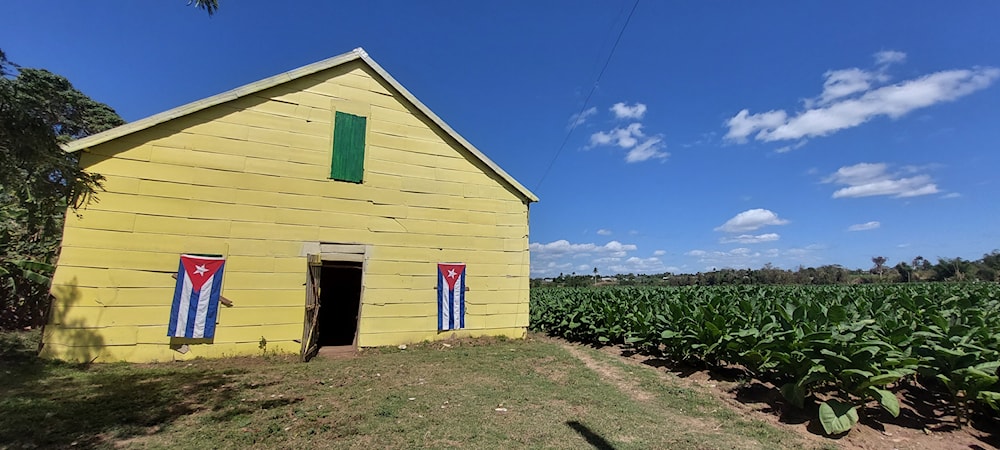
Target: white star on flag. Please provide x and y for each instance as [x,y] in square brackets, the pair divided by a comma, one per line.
[451,273]
[200,270]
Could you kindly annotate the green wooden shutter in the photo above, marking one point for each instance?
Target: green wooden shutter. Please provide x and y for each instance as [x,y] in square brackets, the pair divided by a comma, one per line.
[348,147]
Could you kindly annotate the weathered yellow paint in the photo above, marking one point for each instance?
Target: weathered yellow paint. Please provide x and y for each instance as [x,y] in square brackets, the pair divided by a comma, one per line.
[249,179]
[160,352]
[123,335]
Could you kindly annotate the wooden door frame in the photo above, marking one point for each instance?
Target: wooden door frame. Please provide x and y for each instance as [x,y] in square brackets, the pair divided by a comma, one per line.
[331,253]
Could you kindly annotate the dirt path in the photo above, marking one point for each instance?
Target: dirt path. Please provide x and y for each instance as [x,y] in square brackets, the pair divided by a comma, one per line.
[687,427]
[610,374]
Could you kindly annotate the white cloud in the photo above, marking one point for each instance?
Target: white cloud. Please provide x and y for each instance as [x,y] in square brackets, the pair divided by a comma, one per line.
[623,111]
[611,258]
[604,232]
[740,258]
[641,147]
[850,98]
[750,239]
[626,137]
[563,247]
[736,258]
[802,254]
[638,265]
[886,57]
[873,179]
[951,195]
[581,117]
[864,226]
[743,124]
[845,82]
[750,220]
[649,149]
[789,148]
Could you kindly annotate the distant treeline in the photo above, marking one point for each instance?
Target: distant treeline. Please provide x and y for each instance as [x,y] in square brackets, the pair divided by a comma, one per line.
[919,269]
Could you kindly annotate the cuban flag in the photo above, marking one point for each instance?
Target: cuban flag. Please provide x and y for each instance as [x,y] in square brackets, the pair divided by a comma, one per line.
[451,296]
[196,297]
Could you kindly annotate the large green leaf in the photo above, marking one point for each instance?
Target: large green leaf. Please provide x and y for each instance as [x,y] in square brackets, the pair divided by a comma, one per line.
[837,314]
[990,398]
[795,393]
[33,266]
[990,367]
[833,356]
[885,378]
[887,399]
[837,417]
[36,277]
[856,372]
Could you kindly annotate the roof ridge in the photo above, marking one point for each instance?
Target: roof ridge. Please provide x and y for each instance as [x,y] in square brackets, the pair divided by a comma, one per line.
[358,53]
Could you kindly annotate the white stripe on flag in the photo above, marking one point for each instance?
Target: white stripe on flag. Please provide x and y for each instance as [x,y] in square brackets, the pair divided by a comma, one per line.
[443,298]
[456,297]
[182,310]
[202,313]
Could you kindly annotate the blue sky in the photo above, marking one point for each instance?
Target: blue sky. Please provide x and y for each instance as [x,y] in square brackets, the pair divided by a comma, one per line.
[720,135]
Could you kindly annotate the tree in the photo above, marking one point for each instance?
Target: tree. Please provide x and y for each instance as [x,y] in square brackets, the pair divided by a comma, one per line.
[905,271]
[879,264]
[954,269]
[39,111]
[992,260]
[210,6]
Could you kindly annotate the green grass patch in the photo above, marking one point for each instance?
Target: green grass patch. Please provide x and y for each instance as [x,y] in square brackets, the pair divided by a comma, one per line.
[428,396]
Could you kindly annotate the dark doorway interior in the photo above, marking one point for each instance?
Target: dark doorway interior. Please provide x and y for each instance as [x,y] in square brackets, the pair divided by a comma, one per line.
[339,300]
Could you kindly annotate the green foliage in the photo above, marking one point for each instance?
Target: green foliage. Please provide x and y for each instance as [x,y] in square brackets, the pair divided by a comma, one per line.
[210,6]
[837,417]
[853,343]
[985,269]
[39,111]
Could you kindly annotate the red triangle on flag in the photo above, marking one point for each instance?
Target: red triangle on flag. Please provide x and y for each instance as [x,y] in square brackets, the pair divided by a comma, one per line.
[451,273]
[200,270]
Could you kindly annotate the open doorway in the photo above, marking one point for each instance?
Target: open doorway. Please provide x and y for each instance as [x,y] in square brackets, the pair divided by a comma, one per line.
[333,305]
[339,301]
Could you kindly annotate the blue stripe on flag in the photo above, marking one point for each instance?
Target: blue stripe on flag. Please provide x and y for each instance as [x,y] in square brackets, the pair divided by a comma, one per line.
[213,306]
[461,300]
[177,300]
[440,295]
[192,313]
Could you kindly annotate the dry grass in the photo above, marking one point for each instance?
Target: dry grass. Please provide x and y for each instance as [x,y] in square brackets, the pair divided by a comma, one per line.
[468,394]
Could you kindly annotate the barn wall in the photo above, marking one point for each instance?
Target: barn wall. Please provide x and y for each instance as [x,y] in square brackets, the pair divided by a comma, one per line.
[248,179]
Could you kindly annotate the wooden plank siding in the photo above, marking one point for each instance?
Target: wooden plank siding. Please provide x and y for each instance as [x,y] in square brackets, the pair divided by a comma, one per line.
[249,179]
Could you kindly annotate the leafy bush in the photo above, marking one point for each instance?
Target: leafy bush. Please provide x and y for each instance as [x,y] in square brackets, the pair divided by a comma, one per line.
[852,343]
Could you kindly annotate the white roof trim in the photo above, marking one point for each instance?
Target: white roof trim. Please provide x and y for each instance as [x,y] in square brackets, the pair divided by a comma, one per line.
[257,86]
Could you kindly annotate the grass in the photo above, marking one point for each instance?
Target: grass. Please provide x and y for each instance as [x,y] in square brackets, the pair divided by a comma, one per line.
[429,396]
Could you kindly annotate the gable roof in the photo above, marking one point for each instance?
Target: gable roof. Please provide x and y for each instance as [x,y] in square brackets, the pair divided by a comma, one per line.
[353,55]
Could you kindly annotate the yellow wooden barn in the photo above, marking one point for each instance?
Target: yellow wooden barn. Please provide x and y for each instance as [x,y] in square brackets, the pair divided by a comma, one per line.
[330,184]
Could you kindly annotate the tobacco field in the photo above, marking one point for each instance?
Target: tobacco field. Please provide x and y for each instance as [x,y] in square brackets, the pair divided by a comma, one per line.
[844,348]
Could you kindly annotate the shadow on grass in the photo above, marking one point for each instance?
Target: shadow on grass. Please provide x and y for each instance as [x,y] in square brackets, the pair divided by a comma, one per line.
[52,404]
[592,438]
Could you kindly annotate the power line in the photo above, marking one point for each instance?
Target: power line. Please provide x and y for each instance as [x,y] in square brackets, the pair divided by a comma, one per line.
[586,101]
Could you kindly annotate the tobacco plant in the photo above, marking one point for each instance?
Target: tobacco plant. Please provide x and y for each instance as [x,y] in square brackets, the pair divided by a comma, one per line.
[851,344]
